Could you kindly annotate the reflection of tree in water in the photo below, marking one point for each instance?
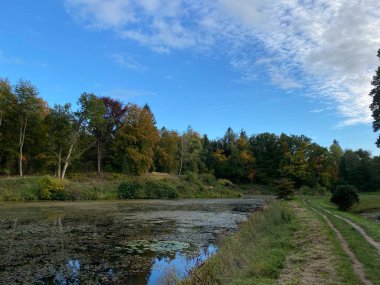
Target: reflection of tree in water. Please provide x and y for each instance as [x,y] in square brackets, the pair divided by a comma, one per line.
[58,254]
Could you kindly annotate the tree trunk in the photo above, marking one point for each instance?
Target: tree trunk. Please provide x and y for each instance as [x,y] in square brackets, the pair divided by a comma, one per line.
[21,144]
[59,174]
[67,160]
[99,157]
[181,158]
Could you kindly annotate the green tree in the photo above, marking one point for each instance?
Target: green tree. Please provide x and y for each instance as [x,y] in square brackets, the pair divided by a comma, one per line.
[115,113]
[166,151]
[375,105]
[59,122]
[6,99]
[8,133]
[267,151]
[29,108]
[190,150]
[284,188]
[135,140]
[94,112]
[294,163]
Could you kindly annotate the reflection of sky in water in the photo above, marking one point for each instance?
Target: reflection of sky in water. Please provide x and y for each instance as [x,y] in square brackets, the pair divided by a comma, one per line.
[162,272]
[73,267]
[179,266]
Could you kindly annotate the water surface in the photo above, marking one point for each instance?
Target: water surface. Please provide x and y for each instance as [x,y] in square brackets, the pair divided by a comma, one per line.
[118,242]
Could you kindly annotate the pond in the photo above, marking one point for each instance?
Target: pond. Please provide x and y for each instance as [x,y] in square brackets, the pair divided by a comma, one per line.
[373,215]
[116,242]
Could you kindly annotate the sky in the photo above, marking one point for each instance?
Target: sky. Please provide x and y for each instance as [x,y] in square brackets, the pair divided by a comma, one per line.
[292,66]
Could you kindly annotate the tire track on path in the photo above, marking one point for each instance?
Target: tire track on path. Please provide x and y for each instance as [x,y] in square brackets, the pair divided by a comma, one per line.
[361,231]
[356,264]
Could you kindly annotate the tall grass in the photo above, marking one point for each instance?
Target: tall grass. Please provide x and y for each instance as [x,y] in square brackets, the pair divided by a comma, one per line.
[254,255]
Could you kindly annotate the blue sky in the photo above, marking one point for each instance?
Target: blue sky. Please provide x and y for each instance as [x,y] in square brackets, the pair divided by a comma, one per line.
[299,67]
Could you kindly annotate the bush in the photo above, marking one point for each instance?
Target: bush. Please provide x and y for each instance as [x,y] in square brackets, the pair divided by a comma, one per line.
[192,177]
[147,190]
[344,196]
[225,183]
[52,189]
[285,188]
[131,190]
[306,190]
[321,190]
[208,179]
[160,190]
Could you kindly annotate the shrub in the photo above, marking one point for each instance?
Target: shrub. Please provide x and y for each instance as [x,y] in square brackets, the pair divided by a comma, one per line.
[284,188]
[52,189]
[192,178]
[147,190]
[344,196]
[321,190]
[160,190]
[208,179]
[225,183]
[306,190]
[131,190]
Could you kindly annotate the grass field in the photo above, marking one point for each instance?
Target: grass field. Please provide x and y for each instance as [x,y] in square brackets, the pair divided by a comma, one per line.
[368,202]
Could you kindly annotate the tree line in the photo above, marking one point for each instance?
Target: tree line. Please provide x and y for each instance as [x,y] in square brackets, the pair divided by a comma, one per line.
[105,135]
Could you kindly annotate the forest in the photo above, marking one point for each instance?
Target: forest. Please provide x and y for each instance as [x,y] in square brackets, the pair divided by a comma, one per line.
[105,135]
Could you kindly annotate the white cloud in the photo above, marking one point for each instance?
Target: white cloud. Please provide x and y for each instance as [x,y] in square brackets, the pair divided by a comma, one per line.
[127,61]
[327,48]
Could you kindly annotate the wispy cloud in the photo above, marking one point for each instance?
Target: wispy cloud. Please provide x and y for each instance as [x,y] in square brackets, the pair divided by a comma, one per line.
[10,59]
[127,94]
[127,61]
[326,48]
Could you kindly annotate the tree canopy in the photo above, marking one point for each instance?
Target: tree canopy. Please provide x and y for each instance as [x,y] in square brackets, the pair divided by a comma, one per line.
[106,135]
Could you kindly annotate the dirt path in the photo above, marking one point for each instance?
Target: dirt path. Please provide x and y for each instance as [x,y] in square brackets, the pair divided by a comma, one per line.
[370,240]
[313,260]
[356,264]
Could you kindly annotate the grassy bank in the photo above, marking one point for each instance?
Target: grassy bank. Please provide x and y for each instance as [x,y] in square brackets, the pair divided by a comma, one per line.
[94,187]
[254,255]
[288,243]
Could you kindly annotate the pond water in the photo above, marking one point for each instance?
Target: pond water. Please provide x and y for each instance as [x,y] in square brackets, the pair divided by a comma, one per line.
[374,215]
[117,242]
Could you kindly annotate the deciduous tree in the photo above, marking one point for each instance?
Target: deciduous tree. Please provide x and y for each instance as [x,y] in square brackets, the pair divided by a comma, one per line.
[375,105]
